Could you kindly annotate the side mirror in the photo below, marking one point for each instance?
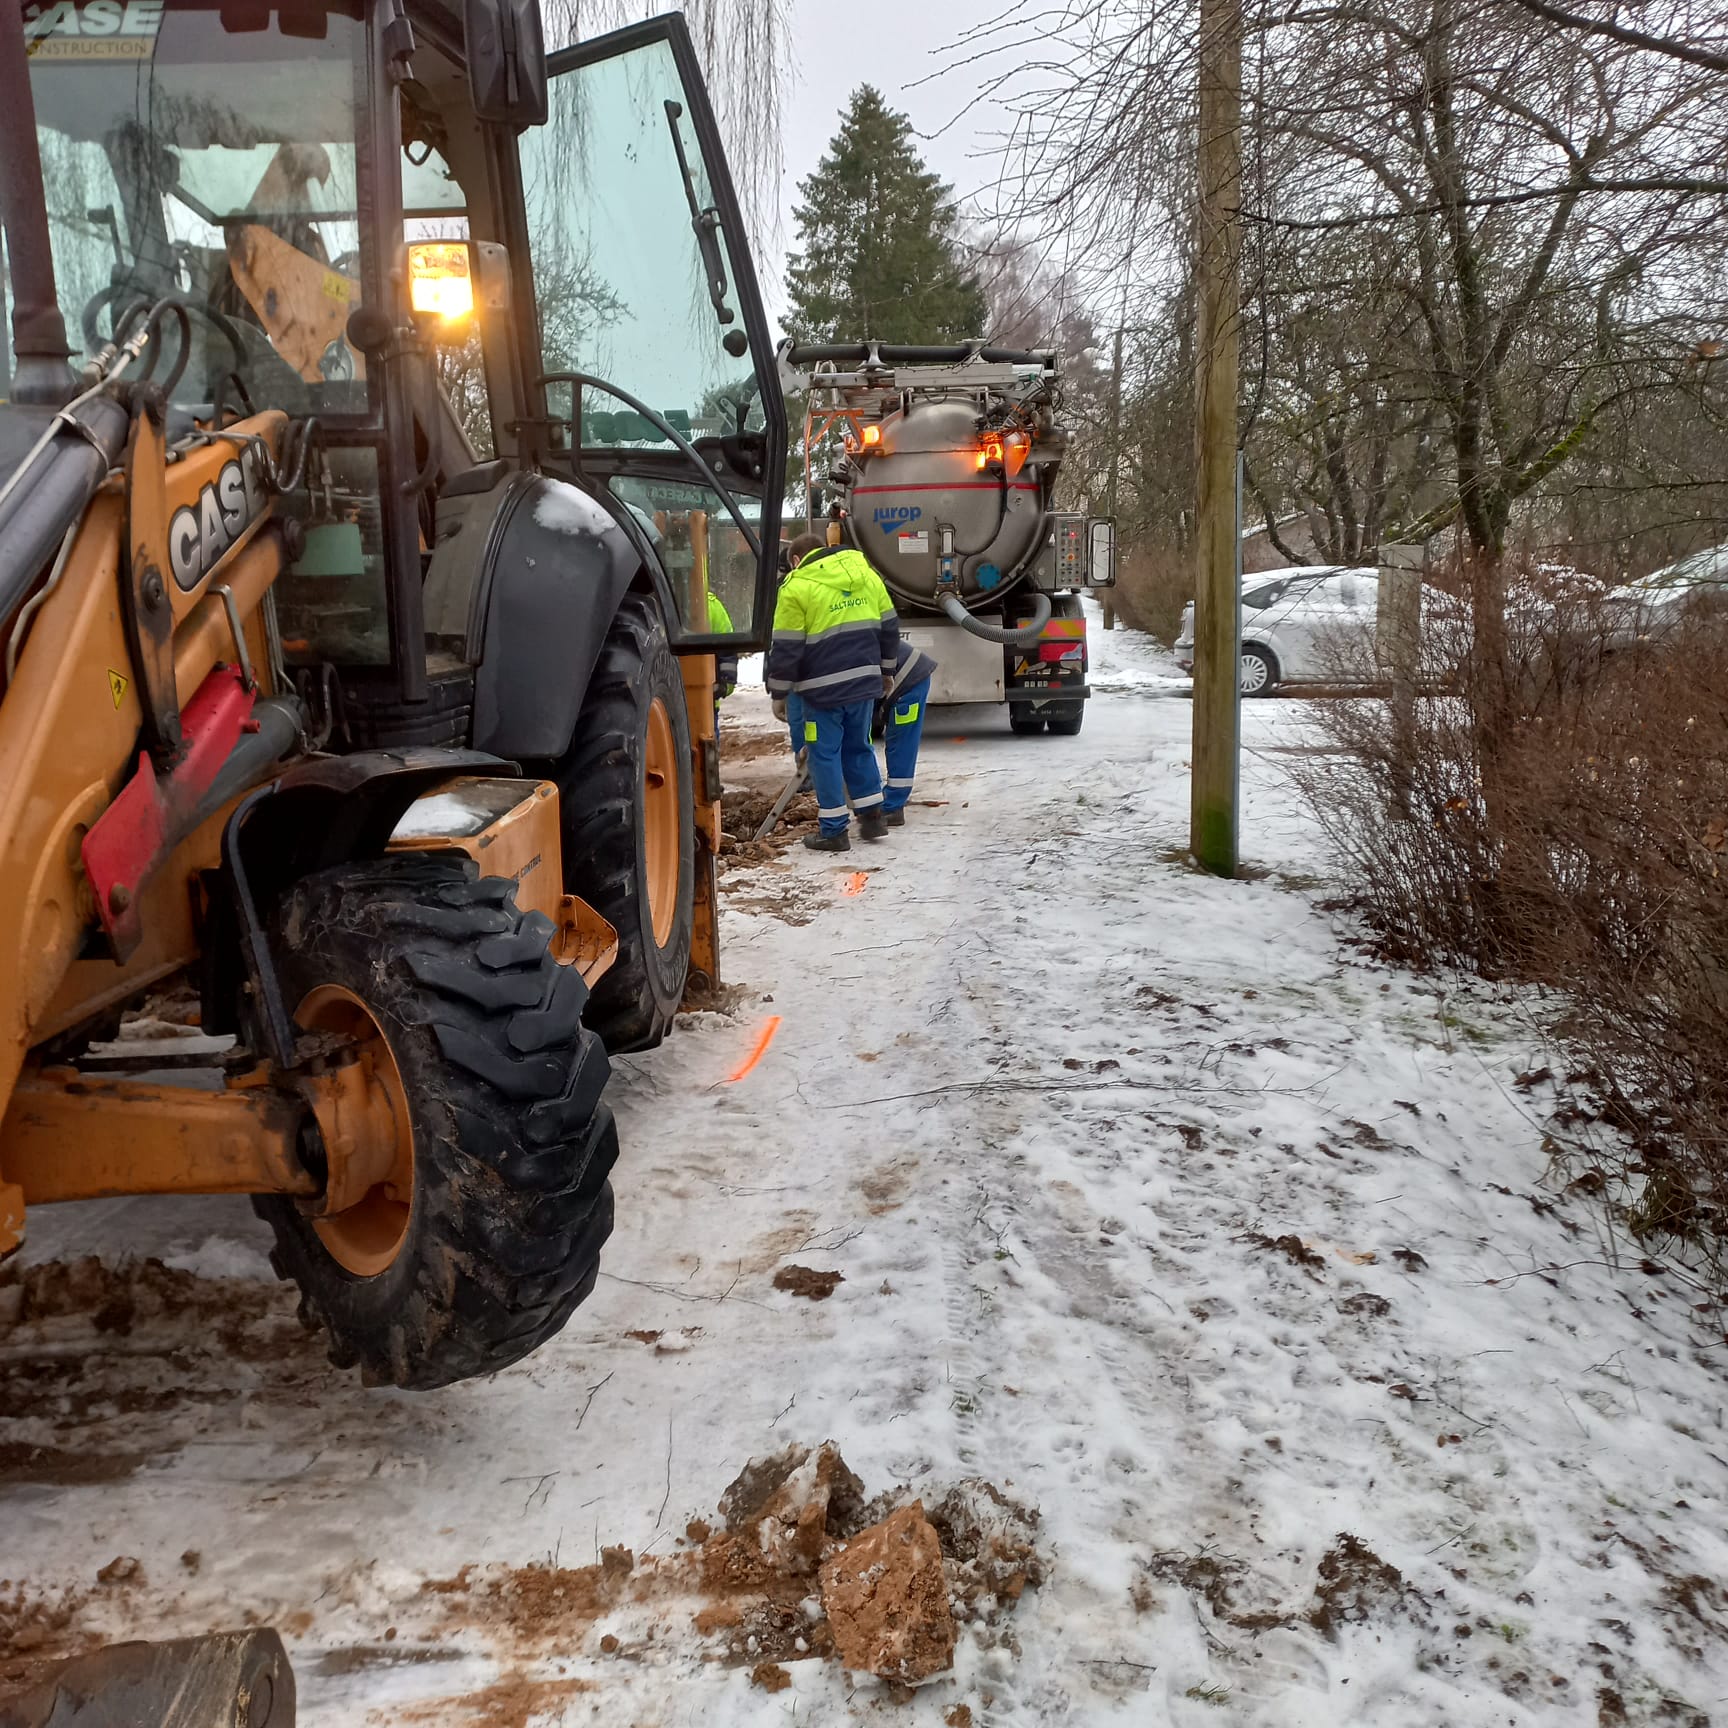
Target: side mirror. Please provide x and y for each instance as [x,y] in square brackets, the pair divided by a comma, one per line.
[506,53]
[1101,554]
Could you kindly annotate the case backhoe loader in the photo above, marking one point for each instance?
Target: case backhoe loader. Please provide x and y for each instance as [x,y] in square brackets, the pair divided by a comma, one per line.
[363,557]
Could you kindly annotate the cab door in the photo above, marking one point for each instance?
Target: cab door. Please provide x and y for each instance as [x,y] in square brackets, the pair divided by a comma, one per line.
[657,378]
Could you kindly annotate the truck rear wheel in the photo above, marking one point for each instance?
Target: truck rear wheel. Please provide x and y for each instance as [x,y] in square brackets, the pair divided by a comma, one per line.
[1024,719]
[483,1234]
[630,826]
[1066,718]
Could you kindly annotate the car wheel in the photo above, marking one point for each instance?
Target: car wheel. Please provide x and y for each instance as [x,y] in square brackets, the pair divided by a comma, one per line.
[1259,673]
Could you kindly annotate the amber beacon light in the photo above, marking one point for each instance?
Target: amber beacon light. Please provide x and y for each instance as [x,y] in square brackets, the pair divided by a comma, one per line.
[440,279]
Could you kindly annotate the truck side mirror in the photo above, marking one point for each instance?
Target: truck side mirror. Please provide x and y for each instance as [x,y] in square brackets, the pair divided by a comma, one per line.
[506,53]
[1101,554]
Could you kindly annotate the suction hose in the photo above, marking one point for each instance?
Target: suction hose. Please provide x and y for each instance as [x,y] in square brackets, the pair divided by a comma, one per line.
[1024,637]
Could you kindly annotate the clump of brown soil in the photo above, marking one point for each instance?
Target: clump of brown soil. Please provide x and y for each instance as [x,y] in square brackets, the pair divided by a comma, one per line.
[770,1676]
[886,1598]
[807,1281]
[743,809]
[1292,1247]
[1354,1583]
[988,1541]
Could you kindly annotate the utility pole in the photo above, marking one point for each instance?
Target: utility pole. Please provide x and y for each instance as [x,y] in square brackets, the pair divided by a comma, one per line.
[1213,824]
[1115,456]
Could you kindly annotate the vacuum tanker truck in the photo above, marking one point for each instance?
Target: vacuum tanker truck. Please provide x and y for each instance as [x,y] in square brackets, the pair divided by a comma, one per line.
[944,477]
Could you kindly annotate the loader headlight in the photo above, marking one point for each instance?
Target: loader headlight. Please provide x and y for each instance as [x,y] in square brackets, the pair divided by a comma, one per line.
[440,279]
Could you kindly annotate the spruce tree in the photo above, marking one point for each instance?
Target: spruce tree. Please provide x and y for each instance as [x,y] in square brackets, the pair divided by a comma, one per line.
[878,256]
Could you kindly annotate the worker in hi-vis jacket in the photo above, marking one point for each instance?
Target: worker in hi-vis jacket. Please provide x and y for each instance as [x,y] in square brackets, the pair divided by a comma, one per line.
[903,725]
[835,636]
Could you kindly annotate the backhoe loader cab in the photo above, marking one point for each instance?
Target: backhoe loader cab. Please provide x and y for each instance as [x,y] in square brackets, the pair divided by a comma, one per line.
[389,426]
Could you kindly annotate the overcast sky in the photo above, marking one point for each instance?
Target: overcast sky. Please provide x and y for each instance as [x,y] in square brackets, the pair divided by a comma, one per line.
[891,44]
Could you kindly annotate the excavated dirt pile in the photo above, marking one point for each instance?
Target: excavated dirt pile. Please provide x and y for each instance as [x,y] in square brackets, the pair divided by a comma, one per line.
[798,1566]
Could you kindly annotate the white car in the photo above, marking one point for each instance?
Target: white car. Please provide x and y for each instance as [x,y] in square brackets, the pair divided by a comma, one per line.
[1301,625]
[1654,603]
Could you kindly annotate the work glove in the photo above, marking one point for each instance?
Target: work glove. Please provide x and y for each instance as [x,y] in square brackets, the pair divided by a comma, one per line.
[780,708]
[887,686]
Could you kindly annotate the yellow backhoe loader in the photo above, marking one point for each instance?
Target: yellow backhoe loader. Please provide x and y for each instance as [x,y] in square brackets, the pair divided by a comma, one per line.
[359,559]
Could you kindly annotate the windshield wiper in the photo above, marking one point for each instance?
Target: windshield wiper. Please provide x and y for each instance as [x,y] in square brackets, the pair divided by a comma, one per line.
[706,225]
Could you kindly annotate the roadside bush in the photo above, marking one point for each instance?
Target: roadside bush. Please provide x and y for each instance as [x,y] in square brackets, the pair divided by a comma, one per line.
[1553,809]
[1154,581]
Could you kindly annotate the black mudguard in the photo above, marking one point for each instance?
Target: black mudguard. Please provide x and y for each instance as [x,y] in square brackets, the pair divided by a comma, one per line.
[557,564]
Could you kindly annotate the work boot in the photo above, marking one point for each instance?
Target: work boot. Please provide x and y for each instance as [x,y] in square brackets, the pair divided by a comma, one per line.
[828,842]
[894,818]
[873,825]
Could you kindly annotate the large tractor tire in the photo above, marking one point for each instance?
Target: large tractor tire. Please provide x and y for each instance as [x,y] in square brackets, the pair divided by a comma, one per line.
[630,827]
[486,1233]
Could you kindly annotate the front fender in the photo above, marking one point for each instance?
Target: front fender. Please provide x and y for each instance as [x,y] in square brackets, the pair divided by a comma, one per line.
[557,565]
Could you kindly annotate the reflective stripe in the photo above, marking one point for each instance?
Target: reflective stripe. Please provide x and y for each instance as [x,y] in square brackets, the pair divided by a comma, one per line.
[829,815]
[867,801]
[906,713]
[891,781]
[848,676]
[809,731]
[828,631]
[788,635]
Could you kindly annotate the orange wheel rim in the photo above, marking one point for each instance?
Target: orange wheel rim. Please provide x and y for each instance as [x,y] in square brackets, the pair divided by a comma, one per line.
[660,848]
[367,1234]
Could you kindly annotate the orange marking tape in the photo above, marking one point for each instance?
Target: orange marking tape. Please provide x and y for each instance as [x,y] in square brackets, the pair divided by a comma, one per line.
[854,884]
[763,1039]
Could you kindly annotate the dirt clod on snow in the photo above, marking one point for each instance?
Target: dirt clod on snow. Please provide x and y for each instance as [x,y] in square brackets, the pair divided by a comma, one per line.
[806,1281]
[887,1599]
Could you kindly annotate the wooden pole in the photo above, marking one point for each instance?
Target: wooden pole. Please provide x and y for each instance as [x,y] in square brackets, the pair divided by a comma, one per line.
[1107,596]
[1213,824]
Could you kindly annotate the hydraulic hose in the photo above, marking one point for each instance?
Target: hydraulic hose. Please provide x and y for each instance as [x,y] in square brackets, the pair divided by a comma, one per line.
[1023,637]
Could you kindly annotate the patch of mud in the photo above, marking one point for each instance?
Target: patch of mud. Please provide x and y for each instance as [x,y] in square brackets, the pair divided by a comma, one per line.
[98,1361]
[116,1301]
[753,746]
[512,1702]
[32,1625]
[1352,1585]
[807,1281]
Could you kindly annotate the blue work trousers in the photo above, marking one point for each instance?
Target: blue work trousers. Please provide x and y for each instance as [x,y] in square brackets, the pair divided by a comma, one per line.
[905,727]
[841,761]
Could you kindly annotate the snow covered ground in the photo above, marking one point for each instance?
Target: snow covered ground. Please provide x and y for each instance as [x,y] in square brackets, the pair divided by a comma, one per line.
[1154,1205]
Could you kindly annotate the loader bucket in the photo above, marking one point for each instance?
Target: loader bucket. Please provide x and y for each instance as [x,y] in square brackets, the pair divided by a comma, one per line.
[224,1680]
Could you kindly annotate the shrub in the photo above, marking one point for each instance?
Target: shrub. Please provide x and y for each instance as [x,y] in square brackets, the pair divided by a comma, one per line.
[1554,810]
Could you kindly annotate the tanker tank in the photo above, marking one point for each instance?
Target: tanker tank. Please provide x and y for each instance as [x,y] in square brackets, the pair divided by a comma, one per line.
[945,479]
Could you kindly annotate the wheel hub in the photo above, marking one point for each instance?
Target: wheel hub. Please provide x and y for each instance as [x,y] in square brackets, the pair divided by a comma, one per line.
[660,821]
[361,1108]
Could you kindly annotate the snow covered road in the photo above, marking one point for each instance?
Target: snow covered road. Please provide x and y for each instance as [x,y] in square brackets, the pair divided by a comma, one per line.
[1153,1204]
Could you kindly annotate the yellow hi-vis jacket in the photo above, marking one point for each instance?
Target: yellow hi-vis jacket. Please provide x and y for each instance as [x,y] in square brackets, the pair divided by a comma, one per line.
[835,633]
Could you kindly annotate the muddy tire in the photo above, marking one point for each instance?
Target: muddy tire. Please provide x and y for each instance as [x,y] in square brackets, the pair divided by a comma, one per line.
[1066,718]
[1024,720]
[500,1084]
[629,826]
